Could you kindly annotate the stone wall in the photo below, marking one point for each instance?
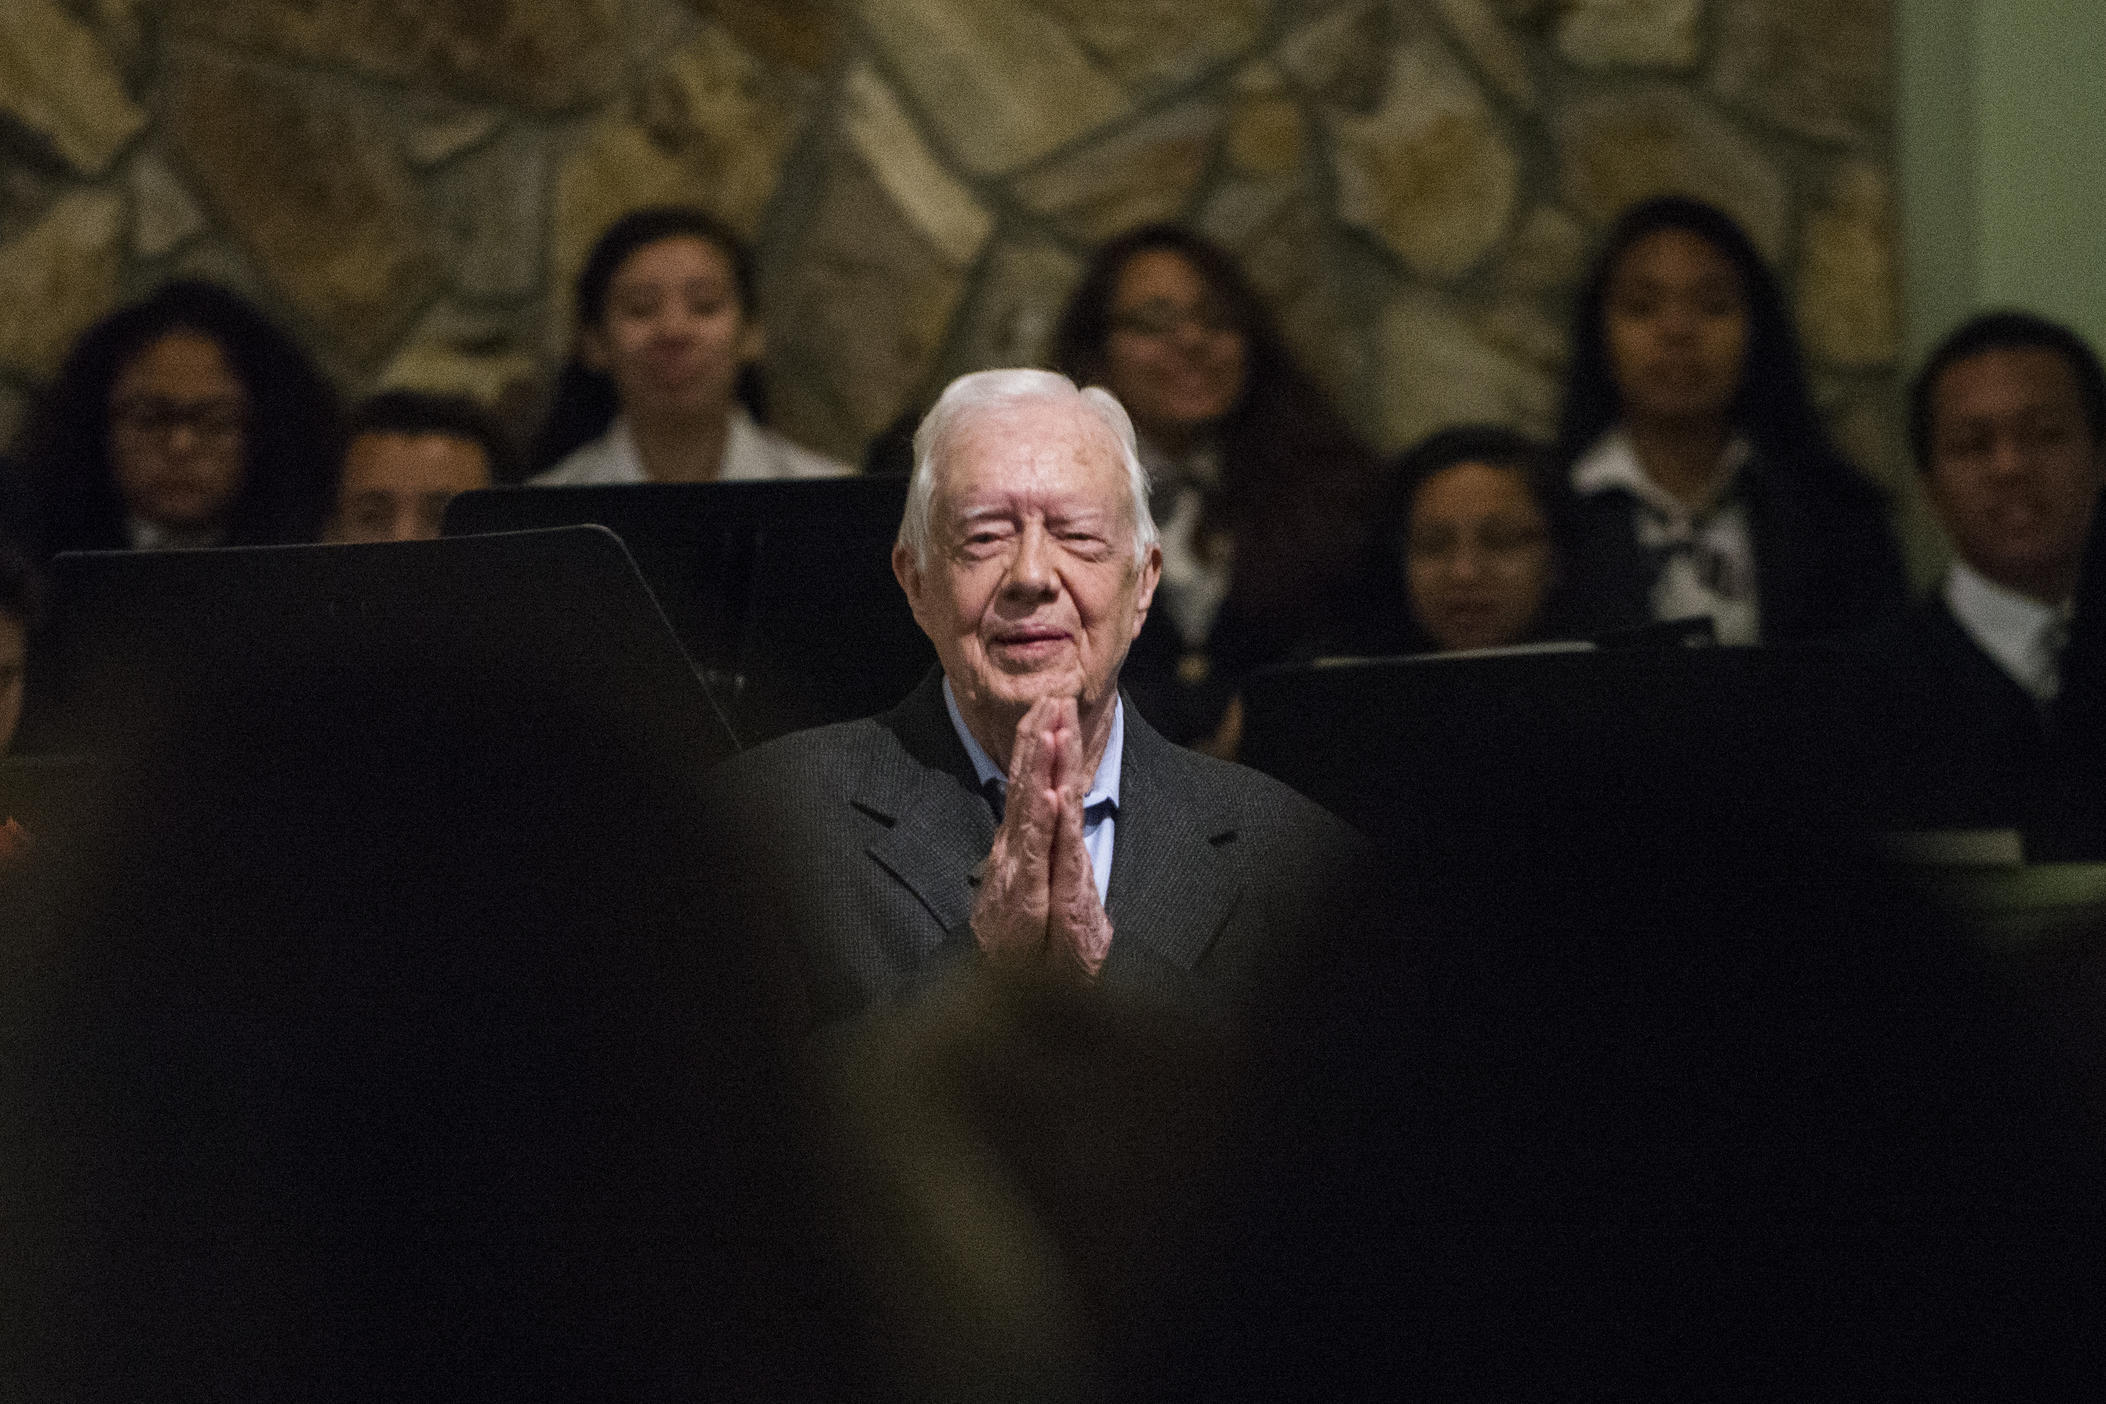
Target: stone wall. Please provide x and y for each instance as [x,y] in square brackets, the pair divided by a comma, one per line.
[411,183]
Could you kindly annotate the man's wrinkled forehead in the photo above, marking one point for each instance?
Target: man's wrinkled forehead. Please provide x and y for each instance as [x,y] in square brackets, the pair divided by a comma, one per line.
[1035,451]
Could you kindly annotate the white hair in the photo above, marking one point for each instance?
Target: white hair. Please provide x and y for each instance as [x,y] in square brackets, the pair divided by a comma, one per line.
[984,391]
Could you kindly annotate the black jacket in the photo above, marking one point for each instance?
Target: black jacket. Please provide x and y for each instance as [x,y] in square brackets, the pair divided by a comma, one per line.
[867,836]
[1826,562]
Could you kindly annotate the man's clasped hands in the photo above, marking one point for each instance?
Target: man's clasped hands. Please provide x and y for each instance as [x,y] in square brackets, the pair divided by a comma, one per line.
[1038,901]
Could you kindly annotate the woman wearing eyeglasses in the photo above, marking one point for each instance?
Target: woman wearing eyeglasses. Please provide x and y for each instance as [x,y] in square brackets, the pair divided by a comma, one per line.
[1466,553]
[184,420]
[1262,494]
[1702,482]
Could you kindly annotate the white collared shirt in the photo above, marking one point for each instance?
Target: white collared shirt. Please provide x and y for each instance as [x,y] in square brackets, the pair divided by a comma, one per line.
[1100,807]
[2021,634]
[751,453]
[1707,557]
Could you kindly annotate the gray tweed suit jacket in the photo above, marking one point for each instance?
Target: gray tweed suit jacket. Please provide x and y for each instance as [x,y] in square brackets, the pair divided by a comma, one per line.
[868,836]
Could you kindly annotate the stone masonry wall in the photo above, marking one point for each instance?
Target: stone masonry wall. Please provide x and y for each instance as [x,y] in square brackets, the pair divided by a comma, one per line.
[411,183]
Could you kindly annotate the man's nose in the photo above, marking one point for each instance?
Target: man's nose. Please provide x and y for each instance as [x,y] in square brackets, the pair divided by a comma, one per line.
[1031,572]
[1466,564]
[2009,457]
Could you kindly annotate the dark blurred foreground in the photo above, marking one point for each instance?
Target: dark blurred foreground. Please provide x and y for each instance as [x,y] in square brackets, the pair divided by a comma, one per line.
[367,1051]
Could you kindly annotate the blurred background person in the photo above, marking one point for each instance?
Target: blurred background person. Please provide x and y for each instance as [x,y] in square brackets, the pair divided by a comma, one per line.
[408,454]
[1465,553]
[187,419]
[664,382]
[2008,422]
[1262,493]
[1703,481]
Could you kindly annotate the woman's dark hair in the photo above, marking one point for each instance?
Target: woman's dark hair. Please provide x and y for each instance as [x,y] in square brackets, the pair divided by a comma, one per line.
[1296,480]
[584,402]
[288,446]
[411,412]
[1491,444]
[1773,407]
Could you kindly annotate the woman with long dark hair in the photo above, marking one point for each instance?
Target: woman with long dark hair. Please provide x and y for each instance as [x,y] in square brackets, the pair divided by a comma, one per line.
[1701,478]
[1262,492]
[187,419]
[663,383]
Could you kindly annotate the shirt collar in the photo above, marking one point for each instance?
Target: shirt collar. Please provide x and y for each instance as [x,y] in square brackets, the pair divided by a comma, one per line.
[1613,463]
[2006,624]
[741,442]
[1104,785]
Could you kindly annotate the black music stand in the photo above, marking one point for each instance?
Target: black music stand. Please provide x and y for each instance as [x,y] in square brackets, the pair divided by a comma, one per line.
[781,591]
[1473,754]
[497,627]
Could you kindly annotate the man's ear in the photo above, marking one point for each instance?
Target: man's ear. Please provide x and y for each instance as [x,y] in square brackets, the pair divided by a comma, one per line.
[908,573]
[1144,596]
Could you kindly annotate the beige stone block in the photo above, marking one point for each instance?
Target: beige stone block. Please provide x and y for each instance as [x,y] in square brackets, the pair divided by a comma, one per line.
[1627,146]
[1494,46]
[1548,253]
[492,209]
[859,307]
[1150,45]
[1010,318]
[1820,68]
[489,378]
[548,55]
[57,80]
[1147,172]
[119,25]
[1266,134]
[1848,294]
[1342,57]
[57,278]
[1440,370]
[800,34]
[1238,210]
[935,201]
[325,206]
[1003,81]
[445,130]
[163,213]
[710,126]
[1428,172]
[1631,33]
[1521,328]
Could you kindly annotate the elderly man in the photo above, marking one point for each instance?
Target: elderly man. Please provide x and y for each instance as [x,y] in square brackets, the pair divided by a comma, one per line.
[1013,809]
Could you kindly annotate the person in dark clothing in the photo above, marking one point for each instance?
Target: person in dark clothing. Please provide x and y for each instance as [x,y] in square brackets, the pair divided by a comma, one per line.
[187,419]
[1701,479]
[1263,494]
[2008,422]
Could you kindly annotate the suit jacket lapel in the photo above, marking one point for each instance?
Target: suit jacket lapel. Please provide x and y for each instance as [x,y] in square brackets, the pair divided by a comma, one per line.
[1172,888]
[920,783]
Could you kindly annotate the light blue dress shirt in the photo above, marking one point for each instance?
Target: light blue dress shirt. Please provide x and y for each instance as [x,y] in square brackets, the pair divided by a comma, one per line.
[1100,807]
